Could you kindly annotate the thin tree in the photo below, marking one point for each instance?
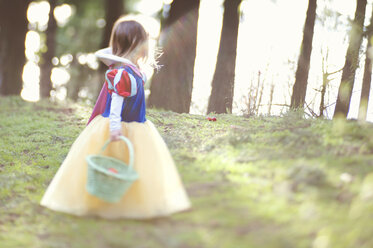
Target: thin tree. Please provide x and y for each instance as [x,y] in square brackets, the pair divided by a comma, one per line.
[113,10]
[271,92]
[46,62]
[325,82]
[221,98]
[13,29]
[171,87]
[352,61]
[367,78]
[301,77]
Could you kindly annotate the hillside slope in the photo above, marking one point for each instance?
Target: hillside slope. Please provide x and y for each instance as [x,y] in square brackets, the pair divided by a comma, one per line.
[268,182]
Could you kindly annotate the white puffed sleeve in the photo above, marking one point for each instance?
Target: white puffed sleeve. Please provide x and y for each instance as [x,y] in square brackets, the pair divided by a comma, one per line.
[116,112]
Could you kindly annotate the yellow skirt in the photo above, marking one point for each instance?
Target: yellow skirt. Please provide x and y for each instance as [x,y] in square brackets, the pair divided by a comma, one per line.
[158,191]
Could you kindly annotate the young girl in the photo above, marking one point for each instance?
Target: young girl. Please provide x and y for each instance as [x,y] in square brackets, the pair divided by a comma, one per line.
[120,110]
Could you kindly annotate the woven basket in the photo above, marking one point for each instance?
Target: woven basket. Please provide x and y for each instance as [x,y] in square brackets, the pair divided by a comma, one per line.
[109,178]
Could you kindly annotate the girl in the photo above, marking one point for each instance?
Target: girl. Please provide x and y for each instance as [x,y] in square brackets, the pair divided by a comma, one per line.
[120,110]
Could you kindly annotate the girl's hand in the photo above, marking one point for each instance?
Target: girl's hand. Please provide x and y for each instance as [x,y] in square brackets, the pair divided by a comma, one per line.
[114,135]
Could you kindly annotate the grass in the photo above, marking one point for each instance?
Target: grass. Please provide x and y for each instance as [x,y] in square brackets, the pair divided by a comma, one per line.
[254,182]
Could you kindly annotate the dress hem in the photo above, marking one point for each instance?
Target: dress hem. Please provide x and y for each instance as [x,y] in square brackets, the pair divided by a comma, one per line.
[83,213]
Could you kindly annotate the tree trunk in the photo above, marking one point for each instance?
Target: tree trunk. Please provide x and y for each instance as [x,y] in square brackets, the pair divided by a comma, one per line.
[367,78]
[172,86]
[13,29]
[46,64]
[301,77]
[352,61]
[221,98]
[325,83]
[272,90]
[113,10]
[365,90]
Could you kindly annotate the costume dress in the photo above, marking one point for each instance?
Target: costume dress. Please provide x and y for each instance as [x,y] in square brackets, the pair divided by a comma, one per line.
[158,191]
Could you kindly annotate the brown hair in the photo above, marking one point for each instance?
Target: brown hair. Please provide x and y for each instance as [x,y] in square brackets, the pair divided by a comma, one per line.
[129,39]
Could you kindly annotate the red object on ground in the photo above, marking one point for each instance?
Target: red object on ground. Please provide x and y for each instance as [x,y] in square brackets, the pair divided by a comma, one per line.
[211,119]
[113,170]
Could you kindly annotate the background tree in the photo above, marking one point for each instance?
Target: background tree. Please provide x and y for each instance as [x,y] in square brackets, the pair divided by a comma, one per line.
[113,10]
[326,74]
[301,77]
[46,65]
[221,98]
[367,78]
[332,22]
[13,29]
[351,62]
[171,88]
[84,30]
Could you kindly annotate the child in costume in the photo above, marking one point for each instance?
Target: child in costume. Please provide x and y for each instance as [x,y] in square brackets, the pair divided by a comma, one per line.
[120,110]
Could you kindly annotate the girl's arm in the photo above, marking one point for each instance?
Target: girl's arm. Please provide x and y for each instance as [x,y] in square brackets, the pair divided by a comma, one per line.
[115,117]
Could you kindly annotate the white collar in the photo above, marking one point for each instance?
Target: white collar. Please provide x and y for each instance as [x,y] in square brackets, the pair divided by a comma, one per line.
[106,55]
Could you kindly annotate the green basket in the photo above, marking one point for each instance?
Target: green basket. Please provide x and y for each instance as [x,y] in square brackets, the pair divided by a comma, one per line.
[109,178]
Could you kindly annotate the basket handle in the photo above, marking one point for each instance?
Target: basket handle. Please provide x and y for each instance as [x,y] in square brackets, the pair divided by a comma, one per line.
[129,145]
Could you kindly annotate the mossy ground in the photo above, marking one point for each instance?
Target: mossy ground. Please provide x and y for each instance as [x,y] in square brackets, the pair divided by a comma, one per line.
[254,182]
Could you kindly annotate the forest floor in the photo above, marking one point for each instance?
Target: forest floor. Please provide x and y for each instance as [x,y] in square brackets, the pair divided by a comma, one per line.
[259,182]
